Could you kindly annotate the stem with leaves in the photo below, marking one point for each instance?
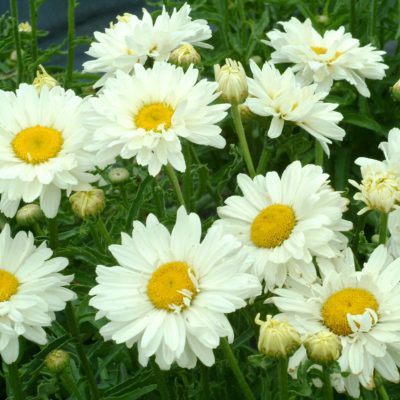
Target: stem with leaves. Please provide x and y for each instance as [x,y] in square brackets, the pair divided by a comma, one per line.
[13,379]
[175,183]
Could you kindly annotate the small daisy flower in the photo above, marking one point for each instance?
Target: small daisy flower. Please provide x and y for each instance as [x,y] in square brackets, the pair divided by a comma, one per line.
[144,116]
[280,96]
[171,291]
[323,59]
[284,222]
[41,141]
[31,290]
[132,40]
[360,307]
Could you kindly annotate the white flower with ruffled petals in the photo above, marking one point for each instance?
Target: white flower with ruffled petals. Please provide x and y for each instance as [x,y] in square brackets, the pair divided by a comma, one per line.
[171,291]
[31,290]
[323,59]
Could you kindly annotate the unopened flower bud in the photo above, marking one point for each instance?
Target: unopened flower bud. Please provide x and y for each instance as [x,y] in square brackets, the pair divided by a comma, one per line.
[278,339]
[232,81]
[375,238]
[29,214]
[184,56]
[87,204]
[323,347]
[257,59]
[117,176]
[245,113]
[323,19]
[395,90]
[43,79]
[25,27]
[56,361]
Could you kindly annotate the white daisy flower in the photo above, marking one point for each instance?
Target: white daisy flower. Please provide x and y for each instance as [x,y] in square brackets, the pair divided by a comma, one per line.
[31,290]
[132,40]
[144,115]
[284,222]
[360,307]
[41,141]
[171,292]
[323,59]
[391,148]
[280,96]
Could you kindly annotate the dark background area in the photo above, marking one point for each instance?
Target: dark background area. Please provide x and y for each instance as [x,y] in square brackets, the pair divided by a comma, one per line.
[91,15]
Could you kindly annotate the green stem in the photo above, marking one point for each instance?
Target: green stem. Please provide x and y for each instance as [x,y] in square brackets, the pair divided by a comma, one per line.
[104,231]
[248,394]
[205,384]
[13,379]
[159,201]
[17,40]
[373,22]
[328,391]
[161,384]
[175,183]
[74,330]
[383,221]
[283,379]
[383,393]
[262,162]
[137,202]
[37,229]
[53,233]
[359,228]
[33,15]
[319,154]
[237,122]
[71,42]
[124,196]
[187,176]
[70,385]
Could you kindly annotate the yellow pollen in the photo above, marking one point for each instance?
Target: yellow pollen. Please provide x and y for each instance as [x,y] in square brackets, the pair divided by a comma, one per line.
[171,287]
[352,301]
[272,226]
[37,144]
[319,50]
[8,285]
[154,117]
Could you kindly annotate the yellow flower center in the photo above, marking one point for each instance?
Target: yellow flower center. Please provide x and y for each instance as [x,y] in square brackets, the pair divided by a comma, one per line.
[171,287]
[272,226]
[37,144]
[352,301]
[154,117]
[322,50]
[8,285]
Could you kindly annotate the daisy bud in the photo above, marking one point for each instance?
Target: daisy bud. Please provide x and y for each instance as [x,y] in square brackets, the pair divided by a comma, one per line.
[395,90]
[245,113]
[278,339]
[43,78]
[232,81]
[257,59]
[323,347]
[87,204]
[29,215]
[323,19]
[117,176]
[25,27]
[375,239]
[56,361]
[184,56]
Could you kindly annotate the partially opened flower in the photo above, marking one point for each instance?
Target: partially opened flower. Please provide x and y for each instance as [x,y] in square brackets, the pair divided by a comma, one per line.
[282,97]
[132,40]
[144,116]
[41,137]
[171,291]
[31,290]
[284,222]
[360,307]
[323,59]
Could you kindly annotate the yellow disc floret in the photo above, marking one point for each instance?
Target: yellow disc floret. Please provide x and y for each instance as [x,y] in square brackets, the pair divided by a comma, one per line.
[272,226]
[322,50]
[352,301]
[171,286]
[154,117]
[37,144]
[8,285]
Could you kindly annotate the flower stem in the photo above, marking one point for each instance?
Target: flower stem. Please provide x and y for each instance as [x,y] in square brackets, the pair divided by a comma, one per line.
[187,176]
[237,122]
[205,384]
[356,237]
[383,221]
[382,392]
[248,394]
[53,233]
[33,16]
[319,154]
[161,384]
[71,42]
[74,330]
[328,391]
[17,40]
[283,379]
[262,162]
[70,385]
[175,183]
[13,379]
[104,231]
